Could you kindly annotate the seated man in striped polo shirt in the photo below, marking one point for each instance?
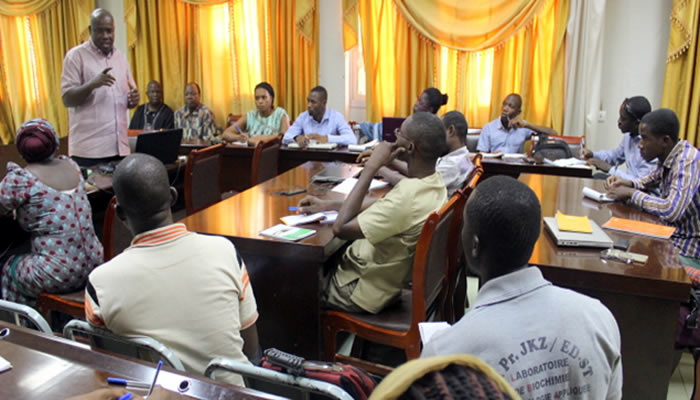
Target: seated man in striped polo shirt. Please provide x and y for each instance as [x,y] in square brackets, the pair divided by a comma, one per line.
[191,292]
[678,180]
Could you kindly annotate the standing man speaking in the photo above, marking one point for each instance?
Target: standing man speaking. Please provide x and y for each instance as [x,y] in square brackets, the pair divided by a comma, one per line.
[97,87]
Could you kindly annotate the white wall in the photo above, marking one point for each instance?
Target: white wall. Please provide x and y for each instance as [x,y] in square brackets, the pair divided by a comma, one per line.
[634,60]
[331,71]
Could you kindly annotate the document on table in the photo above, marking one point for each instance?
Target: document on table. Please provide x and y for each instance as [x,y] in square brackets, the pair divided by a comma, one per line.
[428,329]
[324,217]
[596,195]
[572,223]
[349,183]
[4,365]
[568,162]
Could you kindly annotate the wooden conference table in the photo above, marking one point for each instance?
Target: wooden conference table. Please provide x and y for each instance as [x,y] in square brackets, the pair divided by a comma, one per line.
[284,275]
[644,298]
[48,367]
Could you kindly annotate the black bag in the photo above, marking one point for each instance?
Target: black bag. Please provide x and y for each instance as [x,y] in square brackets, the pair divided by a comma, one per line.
[687,331]
[551,148]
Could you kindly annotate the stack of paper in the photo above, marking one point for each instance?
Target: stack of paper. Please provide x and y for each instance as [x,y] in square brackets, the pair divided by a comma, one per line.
[301,219]
[362,147]
[349,183]
[567,162]
[596,195]
[497,154]
[571,223]
[514,156]
[315,146]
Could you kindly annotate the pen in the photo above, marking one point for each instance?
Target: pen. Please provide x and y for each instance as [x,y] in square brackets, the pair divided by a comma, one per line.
[127,396]
[292,208]
[128,383]
[155,377]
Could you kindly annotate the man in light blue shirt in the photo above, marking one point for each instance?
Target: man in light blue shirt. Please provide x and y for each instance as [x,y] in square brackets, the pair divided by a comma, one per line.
[509,132]
[319,123]
[631,112]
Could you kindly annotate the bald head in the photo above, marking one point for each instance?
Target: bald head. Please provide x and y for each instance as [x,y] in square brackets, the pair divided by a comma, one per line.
[142,188]
[102,30]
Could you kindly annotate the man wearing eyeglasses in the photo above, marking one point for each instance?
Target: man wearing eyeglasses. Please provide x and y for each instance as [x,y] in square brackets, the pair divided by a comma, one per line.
[610,161]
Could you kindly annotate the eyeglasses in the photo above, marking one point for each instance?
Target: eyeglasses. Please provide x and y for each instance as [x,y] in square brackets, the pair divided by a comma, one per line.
[628,110]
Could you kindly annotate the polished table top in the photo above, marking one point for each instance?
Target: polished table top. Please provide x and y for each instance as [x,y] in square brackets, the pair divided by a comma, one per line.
[245,215]
[662,276]
[48,367]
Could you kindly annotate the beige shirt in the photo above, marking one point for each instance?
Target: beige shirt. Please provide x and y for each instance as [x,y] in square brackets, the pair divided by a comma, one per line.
[383,260]
[191,292]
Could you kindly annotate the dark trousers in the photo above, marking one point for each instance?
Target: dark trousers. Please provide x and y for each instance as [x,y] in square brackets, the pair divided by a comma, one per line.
[91,162]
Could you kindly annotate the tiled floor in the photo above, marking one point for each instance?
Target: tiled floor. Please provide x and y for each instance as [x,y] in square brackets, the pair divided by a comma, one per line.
[681,386]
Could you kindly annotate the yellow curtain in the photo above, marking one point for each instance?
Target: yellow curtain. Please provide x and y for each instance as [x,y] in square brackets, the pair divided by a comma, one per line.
[350,24]
[290,32]
[23,8]
[681,89]
[468,25]
[227,48]
[400,62]
[32,48]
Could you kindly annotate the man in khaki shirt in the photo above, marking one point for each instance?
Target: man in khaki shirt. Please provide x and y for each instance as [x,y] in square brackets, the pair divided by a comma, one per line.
[377,265]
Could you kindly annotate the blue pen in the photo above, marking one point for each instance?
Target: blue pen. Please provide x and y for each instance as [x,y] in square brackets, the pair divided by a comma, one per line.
[155,377]
[127,396]
[292,208]
[128,383]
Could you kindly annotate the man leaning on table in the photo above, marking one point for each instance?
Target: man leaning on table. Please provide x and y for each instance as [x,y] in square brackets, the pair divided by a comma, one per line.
[677,177]
[319,123]
[377,265]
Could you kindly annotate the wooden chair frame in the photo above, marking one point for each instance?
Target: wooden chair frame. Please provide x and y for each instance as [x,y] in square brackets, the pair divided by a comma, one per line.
[336,321]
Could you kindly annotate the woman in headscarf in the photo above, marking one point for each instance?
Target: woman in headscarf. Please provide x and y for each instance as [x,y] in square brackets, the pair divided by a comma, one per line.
[49,201]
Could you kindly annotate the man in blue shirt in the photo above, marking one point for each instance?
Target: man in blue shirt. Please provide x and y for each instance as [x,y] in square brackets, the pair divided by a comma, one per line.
[319,123]
[509,132]
[631,112]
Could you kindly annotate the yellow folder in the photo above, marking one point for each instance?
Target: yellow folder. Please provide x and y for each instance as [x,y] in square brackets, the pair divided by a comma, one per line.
[572,223]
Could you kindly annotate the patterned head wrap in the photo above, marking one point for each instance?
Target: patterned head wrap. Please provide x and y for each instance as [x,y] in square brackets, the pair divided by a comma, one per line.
[36,140]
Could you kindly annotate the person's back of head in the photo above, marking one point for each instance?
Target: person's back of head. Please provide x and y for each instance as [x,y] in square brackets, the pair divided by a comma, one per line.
[459,122]
[637,107]
[143,191]
[662,122]
[501,225]
[436,99]
[427,131]
[458,376]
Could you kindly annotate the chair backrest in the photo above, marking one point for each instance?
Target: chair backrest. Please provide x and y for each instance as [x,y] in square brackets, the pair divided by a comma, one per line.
[430,263]
[472,141]
[575,144]
[203,178]
[279,381]
[142,347]
[232,119]
[16,313]
[265,159]
[115,234]
[453,305]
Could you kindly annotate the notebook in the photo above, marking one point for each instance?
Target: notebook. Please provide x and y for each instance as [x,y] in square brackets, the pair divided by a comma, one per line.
[575,239]
[163,145]
[639,227]
[284,232]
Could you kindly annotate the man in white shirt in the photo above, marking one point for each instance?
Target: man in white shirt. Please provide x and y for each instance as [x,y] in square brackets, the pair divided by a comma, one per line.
[548,342]
[453,166]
